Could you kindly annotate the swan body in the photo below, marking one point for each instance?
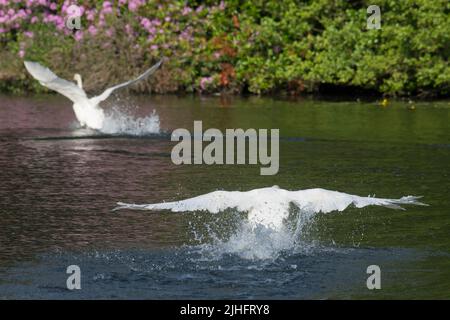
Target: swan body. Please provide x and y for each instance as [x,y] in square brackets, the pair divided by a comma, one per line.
[270,206]
[87,110]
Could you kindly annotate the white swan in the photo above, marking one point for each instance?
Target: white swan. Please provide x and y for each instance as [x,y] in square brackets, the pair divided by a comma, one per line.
[87,110]
[270,206]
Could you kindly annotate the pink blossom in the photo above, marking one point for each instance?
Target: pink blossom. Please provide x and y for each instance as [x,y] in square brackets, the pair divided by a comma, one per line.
[145,23]
[107,7]
[61,25]
[78,35]
[21,14]
[90,15]
[185,35]
[133,5]
[22,53]
[107,10]
[101,21]
[92,30]
[205,81]
[186,10]
[58,20]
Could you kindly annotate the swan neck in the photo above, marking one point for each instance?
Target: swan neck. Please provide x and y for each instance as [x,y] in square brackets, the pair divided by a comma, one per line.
[79,81]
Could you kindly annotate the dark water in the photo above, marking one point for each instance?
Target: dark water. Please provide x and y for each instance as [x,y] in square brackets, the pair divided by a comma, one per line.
[58,184]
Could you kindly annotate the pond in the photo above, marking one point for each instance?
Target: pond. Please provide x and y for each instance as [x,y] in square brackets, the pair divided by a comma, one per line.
[59,184]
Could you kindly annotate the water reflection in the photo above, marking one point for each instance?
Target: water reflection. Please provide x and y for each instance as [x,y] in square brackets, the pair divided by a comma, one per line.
[59,182]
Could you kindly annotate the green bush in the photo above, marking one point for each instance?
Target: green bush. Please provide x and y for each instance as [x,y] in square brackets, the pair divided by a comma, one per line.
[260,46]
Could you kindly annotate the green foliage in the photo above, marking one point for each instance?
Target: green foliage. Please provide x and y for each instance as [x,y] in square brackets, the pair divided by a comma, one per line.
[259,46]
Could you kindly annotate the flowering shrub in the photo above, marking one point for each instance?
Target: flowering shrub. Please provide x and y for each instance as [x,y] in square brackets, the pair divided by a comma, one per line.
[259,46]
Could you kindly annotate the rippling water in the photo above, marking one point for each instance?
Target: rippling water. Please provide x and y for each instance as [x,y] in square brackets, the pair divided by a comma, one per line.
[60,182]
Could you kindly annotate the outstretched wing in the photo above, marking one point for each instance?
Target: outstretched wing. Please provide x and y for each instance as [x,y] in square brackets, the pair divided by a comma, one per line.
[108,91]
[313,200]
[50,80]
[213,202]
[321,200]
[270,206]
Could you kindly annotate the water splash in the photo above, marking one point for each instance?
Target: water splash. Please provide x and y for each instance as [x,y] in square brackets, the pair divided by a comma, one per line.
[119,121]
[251,241]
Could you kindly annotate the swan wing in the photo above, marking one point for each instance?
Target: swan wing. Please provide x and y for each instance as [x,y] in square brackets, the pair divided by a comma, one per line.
[213,202]
[108,91]
[270,206]
[313,200]
[50,80]
[321,200]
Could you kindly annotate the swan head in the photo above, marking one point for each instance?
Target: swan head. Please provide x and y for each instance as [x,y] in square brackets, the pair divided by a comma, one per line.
[77,78]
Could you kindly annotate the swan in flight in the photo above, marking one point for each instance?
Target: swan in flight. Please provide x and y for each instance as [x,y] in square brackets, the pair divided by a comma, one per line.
[87,110]
[270,206]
